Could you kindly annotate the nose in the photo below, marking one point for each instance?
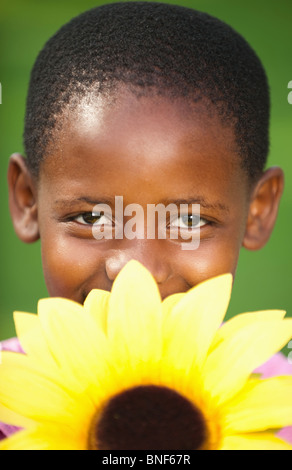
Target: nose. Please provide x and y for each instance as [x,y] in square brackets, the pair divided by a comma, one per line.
[147,252]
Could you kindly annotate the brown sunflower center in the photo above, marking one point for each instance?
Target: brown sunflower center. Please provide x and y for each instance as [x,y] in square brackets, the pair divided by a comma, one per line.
[148,418]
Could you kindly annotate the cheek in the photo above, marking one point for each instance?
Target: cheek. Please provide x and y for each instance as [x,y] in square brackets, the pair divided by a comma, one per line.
[68,266]
[209,260]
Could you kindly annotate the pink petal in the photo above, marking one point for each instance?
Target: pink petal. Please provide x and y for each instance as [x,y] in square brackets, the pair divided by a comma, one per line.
[14,346]
[277,365]
[11,345]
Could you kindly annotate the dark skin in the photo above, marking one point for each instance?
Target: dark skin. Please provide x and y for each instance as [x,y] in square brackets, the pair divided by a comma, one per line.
[148,150]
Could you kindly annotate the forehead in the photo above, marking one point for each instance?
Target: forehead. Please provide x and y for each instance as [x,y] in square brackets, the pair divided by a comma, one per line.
[123,141]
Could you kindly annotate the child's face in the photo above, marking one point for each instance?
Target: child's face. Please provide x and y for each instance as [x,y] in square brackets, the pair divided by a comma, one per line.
[148,150]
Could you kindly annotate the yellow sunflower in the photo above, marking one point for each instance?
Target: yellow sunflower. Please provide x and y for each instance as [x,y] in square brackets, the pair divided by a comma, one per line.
[127,371]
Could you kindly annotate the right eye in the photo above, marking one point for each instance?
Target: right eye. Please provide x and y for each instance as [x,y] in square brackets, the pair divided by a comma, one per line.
[92,218]
[189,221]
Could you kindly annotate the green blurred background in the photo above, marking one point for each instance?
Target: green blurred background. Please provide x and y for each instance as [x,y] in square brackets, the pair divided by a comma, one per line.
[263,278]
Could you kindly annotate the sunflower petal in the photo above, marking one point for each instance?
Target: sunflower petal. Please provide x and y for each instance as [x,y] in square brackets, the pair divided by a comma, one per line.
[261,405]
[230,364]
[21,380]
[238,322]
[169,302]
[257,441]
[194,320]
[32,340]
[135,315]
[14,419]
[68,330]
[42,438]
[96,304]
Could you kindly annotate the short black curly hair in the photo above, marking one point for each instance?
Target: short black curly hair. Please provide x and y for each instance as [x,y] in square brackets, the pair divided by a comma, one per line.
[173,50]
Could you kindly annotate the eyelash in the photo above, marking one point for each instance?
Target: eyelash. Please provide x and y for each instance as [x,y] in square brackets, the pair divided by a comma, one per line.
[201,222]
[85,214]
[196,217]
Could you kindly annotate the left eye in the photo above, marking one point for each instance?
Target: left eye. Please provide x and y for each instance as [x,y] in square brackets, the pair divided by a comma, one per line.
[188,221]
[91,218]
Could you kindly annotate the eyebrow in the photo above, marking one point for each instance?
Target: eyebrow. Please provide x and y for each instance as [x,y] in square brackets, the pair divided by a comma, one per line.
[111,201]
[88,200]
[199,200]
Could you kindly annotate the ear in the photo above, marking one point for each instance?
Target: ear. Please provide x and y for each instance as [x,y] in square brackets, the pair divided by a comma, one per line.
[263,208]
[22,199]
